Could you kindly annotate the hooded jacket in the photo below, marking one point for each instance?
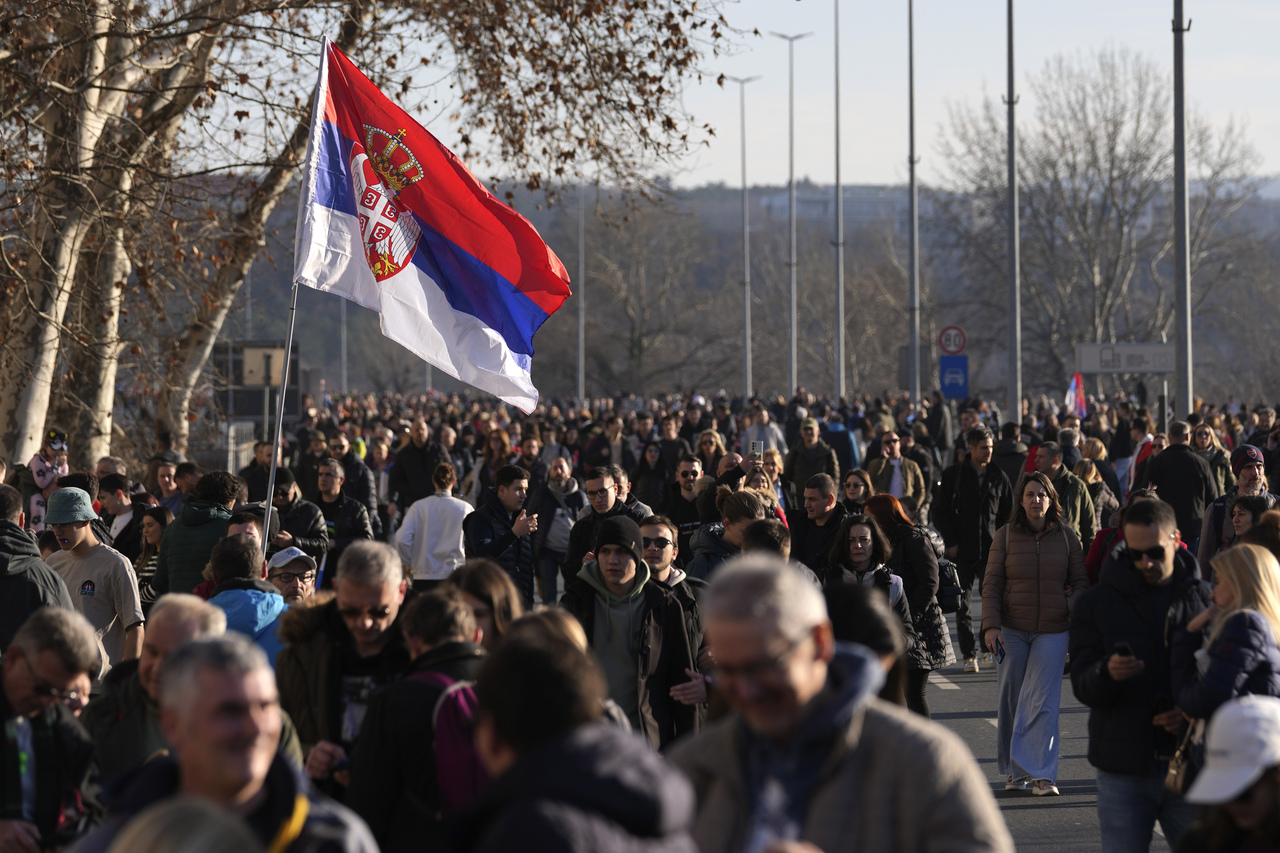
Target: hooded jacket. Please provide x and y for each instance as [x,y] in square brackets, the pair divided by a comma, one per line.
[593,789]
[1243,659]
[488,533]
[360,486]
[293,818]
[1122,738]
[310,669]
[186,546]
[710,551]
[859,775]
[26,582]
[253,608]
[651,623]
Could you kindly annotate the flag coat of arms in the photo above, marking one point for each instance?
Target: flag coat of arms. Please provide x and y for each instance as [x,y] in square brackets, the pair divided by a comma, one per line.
[388,217]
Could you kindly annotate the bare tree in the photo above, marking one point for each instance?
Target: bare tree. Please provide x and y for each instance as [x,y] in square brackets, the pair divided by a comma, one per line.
[1095,181]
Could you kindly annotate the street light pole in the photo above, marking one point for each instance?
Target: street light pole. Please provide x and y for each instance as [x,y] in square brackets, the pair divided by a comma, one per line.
[582,296]
[1182,234]
[791,192]
[914,256]
[1015,285]
[746,241]
[839,226]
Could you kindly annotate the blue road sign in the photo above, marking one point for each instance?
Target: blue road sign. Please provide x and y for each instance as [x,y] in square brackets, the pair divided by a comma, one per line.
[953,372]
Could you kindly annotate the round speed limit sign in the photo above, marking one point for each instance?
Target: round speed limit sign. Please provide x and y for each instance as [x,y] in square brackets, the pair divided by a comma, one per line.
[951,341]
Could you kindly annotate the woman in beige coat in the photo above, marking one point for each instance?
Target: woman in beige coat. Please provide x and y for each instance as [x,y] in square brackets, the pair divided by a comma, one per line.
[1034,567]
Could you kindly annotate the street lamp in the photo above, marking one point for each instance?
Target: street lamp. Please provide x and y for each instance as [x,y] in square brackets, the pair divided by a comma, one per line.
[746,240]
[1015,292]
[791,187]
[1181,226]
[913,258]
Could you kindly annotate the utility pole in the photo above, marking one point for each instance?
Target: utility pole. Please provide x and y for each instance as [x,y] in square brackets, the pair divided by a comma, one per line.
[746,241]
[1015,284]
[1184,388]
[343,346]
[913,355]
[791,192]
[582,294]
[839,227]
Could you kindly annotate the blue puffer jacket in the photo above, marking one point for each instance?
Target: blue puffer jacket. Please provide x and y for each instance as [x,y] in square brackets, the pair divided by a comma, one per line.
[253,608]
[1244,659]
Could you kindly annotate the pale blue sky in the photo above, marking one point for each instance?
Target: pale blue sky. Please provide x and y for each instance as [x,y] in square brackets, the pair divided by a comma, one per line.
[1233,71]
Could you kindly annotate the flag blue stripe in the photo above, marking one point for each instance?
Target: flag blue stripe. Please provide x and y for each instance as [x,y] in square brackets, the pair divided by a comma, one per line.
[470,286]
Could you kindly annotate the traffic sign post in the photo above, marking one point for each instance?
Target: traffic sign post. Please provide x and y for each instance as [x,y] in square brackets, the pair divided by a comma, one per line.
[952,340]
[953,375]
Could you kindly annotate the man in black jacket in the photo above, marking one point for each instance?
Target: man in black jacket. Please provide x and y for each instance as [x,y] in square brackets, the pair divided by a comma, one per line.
[1183,480]
[124,515]
[500,529]
[48,780]
[814,528]
[414,466]
[301,522]
[345,518]
[681,505]
[1120,667]
[972,503]
[26,582]
[358,482]
[394,784]
[606,499]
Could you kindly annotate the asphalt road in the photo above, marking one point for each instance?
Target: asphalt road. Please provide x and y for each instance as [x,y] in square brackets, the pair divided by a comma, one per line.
[966,704]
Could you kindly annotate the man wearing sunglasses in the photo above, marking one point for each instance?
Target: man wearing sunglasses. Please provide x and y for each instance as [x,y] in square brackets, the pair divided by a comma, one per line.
[302,523]
[1120,667]
[49,777]
[681,505]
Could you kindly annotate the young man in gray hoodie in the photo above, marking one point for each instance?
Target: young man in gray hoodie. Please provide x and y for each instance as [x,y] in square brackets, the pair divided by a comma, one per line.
[637,628]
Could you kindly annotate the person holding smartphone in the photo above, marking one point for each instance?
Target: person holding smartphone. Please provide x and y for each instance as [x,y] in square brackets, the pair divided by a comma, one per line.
[1034,566]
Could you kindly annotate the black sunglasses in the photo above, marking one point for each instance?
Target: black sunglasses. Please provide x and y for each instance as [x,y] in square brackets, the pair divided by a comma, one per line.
[658,542]
[1155,554]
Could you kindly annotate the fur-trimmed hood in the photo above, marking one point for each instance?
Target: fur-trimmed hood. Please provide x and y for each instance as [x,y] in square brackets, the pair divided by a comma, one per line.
[301,621]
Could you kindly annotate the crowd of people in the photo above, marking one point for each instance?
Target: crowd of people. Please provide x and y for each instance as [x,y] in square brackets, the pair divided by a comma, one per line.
[431,623]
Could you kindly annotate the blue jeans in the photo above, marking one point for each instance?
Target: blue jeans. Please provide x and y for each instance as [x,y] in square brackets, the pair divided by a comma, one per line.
[549,575]
[1030,687]
[1129,806]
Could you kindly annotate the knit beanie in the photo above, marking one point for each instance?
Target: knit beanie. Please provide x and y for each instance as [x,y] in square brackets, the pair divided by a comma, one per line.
[622,531]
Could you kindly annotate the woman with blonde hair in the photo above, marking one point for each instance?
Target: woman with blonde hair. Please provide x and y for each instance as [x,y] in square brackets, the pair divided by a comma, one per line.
[772,464]
[1105,503]
[1230,648]
[1205,442]
[710,450]
[1095,451]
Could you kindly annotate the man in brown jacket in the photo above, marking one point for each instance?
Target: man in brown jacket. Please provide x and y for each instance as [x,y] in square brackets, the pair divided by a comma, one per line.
[889,781]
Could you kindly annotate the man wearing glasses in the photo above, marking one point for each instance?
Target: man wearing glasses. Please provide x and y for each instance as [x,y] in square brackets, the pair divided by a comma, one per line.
[892,474]
[49,777]
[809,752]
[1120,667]
[293,572]
[339,651]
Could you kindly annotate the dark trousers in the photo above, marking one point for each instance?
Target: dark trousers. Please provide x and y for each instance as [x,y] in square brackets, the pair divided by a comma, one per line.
[917,691]
[969,572]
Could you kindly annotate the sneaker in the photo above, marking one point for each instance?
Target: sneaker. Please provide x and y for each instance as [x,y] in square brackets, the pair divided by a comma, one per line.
[1012,784]
[1044,788]
[989,659]
[971,664]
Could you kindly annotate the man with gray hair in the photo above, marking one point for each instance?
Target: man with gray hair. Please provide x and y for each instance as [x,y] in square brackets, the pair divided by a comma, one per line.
[48,782]
[886,780]
[338,651]
[220,711]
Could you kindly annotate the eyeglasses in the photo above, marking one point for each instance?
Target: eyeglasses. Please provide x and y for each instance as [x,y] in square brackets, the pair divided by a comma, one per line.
[356,612]
[659,542]
[759,668]
[43,688]
[303,578]
[592,494]
[890,440]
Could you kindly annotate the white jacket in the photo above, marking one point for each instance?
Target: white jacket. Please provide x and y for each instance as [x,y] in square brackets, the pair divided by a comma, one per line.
[430,537]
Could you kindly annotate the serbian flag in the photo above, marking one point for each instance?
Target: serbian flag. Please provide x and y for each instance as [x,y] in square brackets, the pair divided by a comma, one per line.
[1075,397]
[390,218]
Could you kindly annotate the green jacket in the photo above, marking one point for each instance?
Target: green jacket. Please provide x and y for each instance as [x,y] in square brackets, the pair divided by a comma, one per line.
[187,543]
[1077,506]
[124,723]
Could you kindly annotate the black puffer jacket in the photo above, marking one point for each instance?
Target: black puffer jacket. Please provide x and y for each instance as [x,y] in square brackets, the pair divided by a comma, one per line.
[26,583]
[360,486]
[353,524]
[1122,738]
[304,521]
[487,532]
[594,789]
[914,561]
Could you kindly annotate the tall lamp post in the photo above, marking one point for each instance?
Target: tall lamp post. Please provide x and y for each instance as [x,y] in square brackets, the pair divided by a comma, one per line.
[791,193]
[1182,235]
[1015,291]
[913,259]
[839,225]
[746,240]
[582,296]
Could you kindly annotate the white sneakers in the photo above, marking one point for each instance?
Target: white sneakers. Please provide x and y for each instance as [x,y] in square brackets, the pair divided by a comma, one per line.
[1044,788]
[1012,784]
[971,663]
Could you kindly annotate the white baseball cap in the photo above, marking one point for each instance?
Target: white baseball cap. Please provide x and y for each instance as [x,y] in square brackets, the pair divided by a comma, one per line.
[286,556]
[1242,742]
